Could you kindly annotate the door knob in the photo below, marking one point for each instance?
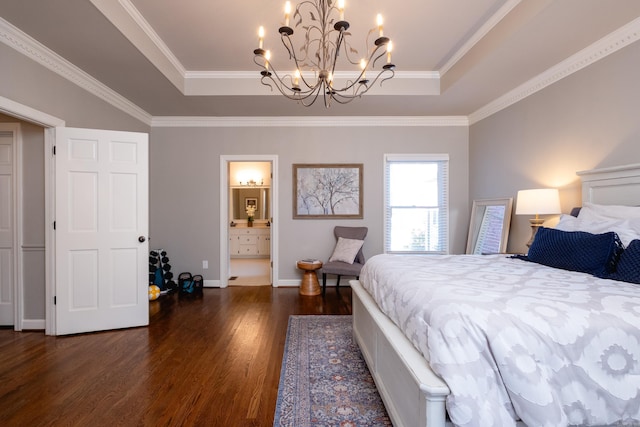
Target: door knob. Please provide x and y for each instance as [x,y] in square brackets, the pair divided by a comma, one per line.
[141,239]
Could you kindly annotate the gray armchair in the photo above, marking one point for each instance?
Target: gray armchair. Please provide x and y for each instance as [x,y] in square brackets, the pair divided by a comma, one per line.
[340,268]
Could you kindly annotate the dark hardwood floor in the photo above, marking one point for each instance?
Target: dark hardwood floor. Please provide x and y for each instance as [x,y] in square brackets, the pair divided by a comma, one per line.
[208,361]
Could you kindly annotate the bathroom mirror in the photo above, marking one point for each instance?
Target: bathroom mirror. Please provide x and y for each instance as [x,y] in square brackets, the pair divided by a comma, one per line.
[489,226]
[256,196]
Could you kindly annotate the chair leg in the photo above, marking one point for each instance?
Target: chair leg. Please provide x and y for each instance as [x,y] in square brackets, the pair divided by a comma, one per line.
[324,282]
[338,282]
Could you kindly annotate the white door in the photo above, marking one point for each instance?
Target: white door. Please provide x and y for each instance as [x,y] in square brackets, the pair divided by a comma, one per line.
[7,227]
[101,245]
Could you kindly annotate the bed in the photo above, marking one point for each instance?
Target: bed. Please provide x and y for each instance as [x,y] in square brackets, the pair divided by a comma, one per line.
[588,375]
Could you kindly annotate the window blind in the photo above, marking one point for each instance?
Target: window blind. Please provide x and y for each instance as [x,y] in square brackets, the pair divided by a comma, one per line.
[416,203]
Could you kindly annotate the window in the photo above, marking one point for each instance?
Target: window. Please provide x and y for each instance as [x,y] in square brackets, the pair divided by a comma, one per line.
[416,204]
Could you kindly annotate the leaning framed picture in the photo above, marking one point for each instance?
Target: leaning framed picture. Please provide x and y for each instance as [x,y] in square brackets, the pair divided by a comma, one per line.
[327,191]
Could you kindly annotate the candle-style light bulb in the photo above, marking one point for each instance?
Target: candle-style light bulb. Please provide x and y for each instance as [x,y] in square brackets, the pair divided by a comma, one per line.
[389,49]
[379,21]
[296,78]
[363,66]
[287,13]
[260,36]
[341,9]
[267,57]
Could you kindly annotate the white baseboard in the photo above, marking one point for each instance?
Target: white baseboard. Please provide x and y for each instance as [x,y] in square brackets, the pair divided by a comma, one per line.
[295,283]
[288,284]
[211,283]
[33,324]
[281,284]
[292,283]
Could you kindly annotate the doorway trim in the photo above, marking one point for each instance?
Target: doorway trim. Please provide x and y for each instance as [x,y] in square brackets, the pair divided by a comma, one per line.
[224,213]
[40,118]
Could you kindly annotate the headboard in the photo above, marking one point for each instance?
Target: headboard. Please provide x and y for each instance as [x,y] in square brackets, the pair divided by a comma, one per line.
[618,185]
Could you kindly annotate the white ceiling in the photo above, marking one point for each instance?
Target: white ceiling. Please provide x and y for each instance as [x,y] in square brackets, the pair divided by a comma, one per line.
[453,57]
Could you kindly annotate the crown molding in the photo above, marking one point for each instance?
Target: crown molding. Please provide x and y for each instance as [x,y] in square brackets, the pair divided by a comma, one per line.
[31,48]
[604,47]
[126,17]
[130,22]
[248,83]
[335,121]
[478,35]
[155,38]
[338,74]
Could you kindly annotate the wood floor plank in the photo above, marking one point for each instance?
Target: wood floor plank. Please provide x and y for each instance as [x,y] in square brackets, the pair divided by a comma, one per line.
[206,361]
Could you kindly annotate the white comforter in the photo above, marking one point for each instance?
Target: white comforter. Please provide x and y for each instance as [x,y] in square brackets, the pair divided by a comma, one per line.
[514,339]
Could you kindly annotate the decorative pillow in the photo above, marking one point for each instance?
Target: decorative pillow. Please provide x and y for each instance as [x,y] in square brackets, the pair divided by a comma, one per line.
[346,250]
[595,254]
[628,267]
[627,229]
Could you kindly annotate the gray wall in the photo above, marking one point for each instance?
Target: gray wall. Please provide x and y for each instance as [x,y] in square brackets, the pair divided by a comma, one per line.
[26,82]
[588,120]
[185,185]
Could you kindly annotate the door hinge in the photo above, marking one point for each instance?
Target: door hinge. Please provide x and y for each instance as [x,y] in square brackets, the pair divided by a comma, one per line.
[55,300]
[54,225]
[54,150]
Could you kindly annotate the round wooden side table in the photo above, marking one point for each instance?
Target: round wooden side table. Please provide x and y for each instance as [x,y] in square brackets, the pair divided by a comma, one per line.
[310,285]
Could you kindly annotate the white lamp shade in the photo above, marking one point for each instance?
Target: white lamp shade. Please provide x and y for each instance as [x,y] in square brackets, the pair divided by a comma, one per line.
[540,201]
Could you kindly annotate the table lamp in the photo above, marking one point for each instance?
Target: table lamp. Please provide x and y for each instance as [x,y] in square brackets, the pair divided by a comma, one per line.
[539,201]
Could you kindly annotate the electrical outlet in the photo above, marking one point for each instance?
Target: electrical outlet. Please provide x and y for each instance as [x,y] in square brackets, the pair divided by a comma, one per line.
[205,264]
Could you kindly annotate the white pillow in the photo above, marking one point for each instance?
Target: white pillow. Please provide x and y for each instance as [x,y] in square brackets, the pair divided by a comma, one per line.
[568,223]
[592,211]
[346,250]
[627,229]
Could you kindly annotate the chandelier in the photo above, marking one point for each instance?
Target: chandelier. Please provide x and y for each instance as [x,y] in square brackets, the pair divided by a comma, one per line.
[325,39]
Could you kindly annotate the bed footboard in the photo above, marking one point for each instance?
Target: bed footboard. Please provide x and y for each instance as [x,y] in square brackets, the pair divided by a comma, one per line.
[412,393]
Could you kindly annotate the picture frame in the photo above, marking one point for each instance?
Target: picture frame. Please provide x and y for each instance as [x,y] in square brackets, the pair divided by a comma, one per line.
[489,226]
[327,191]
[251,201]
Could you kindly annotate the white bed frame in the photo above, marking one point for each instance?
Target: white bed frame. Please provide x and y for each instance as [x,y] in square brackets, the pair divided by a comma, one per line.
[413,395]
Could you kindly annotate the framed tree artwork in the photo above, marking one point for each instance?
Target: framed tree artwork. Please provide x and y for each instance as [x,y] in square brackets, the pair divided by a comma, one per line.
[327,191]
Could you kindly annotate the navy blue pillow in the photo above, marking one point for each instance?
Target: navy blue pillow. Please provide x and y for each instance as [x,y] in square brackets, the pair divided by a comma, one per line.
[595,254]
[628,267]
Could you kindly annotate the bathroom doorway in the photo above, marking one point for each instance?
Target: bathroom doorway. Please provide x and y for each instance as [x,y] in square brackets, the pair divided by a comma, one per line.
[249,229]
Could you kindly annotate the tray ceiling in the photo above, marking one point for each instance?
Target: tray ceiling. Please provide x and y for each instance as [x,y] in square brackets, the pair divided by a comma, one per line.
[194,57]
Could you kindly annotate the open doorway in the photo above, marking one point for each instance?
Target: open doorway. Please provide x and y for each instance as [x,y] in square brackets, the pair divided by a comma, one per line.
[22,224]
[250,225]
[32,251]
[248,203]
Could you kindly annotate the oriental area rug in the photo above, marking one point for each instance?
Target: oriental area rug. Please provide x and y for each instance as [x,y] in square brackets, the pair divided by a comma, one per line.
[324,380]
